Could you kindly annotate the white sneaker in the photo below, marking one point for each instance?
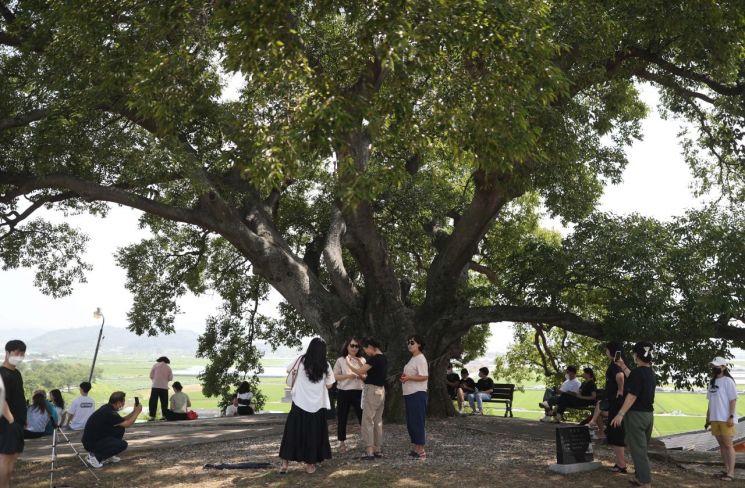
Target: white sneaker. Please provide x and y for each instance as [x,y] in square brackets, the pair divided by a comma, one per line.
[91,459]
[112,460]
[547,418]
[544,404]
[557,418]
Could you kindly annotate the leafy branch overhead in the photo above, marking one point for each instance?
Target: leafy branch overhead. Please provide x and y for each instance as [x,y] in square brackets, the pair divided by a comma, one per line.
[381,165]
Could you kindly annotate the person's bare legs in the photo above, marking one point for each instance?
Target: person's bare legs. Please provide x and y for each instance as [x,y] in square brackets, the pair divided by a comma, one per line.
[593,423]
[461,399]
[620,453]
[7,463]
[728,453]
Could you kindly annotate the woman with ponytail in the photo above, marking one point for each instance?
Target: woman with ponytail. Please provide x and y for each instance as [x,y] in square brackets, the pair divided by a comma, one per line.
[722,413]
[637,412]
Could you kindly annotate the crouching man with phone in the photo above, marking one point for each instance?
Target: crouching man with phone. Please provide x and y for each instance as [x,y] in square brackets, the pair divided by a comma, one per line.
[104,431]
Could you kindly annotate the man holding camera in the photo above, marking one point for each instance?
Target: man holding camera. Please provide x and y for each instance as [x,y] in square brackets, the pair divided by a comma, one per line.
[104,431]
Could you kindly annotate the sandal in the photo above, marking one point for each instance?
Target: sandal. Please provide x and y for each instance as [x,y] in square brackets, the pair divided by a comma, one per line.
[726,477]
[367,458]
[310,468]
[342,449]
[413,454]
[618,469]
[421,455]
[283,469]
[378,454]
[635,482]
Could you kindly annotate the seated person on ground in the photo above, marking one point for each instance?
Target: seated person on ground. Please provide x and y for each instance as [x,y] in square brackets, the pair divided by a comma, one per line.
[81,408]
[179,403]
[104,431]
[551,396]
[467,386]
[484,387]
[232,409]
[39,417]
[244,399]
[585,397]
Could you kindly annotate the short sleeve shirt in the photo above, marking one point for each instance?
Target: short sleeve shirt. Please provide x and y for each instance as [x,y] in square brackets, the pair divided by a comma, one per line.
[468,382]
[719,395]
[103,423]
[485,384]
[417,366]
[642,383]
[587,388]
[81,409]
[611,387]
[342,367]
[452,378]
[378,370]
[14,396]
[310,396]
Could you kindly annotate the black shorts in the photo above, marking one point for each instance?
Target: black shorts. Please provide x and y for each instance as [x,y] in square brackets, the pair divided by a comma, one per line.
[11,439]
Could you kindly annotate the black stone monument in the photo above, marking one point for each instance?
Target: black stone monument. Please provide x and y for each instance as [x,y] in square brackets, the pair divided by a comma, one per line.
[573,445]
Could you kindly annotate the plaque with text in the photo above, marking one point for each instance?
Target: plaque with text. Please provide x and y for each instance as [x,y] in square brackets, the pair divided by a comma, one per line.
[573,445]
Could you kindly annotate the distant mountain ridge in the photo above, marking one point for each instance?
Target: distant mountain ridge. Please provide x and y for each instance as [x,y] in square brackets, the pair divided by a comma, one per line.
[82,341]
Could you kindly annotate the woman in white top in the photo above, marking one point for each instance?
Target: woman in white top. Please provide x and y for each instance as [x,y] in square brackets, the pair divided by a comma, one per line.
[306,435]
[414,380]
[349,388]
[722,413]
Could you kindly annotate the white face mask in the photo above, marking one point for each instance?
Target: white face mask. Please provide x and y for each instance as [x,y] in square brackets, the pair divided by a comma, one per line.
[15,360]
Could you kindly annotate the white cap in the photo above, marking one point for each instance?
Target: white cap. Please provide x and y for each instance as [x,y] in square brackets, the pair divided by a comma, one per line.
[719,361]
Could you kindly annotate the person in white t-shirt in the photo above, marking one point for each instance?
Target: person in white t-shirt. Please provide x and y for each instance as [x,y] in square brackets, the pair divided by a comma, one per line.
[551,396]
[232,409]
[414,386]
[306,435]
[349,388]
[81,408]
[722,413]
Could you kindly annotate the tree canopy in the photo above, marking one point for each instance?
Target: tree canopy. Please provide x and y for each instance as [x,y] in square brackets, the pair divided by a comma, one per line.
[382,166]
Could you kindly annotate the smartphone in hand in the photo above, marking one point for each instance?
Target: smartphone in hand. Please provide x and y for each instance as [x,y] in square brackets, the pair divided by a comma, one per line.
[617,357]
[137,401]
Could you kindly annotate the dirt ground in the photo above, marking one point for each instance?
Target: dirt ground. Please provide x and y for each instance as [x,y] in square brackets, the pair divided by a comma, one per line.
[468,451]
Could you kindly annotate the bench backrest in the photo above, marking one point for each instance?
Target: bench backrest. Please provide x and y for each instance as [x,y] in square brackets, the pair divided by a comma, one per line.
[503,391]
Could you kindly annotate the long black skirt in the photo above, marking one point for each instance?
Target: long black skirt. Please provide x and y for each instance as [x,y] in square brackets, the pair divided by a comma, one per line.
[306,436]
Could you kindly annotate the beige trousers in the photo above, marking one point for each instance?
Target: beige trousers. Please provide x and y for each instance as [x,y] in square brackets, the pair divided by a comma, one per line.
[372,417]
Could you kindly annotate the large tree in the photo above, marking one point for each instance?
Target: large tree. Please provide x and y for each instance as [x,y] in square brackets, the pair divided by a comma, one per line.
[380,166]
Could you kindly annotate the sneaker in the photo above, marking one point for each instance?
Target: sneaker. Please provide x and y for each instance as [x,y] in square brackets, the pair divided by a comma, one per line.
[93,462]
[111,460]
[547,418]
[558,419]
[544,404]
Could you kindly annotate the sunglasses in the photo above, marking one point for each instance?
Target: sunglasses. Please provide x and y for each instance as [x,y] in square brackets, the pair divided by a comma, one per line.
[354,346]
[411,343]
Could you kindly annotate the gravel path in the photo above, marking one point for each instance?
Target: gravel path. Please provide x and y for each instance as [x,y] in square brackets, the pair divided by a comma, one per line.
[473,452]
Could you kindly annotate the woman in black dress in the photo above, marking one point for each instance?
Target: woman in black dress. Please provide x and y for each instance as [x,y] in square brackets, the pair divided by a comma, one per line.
[614,381]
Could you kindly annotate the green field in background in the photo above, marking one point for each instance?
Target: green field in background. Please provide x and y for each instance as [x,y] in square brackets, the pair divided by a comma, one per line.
[132,376]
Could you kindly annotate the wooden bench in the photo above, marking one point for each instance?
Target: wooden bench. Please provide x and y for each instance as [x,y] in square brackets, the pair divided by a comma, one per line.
[503,393]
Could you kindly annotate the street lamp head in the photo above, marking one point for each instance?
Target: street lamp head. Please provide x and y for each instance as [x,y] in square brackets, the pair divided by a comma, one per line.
[98,314]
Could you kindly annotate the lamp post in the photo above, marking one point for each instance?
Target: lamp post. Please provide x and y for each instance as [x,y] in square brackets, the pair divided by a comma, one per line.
[96,315]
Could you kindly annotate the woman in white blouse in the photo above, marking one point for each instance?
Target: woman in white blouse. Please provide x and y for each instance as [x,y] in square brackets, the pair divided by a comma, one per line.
[414,380]
[306,435]
[349,388]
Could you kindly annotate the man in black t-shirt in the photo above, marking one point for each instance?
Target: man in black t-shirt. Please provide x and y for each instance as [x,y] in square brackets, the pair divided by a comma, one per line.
[104,431]
[484,387]
[13,417]
[467,386]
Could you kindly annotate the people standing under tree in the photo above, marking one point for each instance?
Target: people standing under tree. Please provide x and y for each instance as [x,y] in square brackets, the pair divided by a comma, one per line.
[14,410]
[349,388]
[414,384]
[244,396]
[721,414]
[637,412]
[161,374]
[373,394]
[306,434]
[81,408]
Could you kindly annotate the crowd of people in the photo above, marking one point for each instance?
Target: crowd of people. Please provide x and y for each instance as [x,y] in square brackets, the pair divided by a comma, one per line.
[360,375]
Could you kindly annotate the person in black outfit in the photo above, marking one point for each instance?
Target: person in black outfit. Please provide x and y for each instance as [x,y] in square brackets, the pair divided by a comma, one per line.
[467,386]
[453,382]
[376,369]
[104,431]
[13,412]
[637,412]
[584,398]
[614,383]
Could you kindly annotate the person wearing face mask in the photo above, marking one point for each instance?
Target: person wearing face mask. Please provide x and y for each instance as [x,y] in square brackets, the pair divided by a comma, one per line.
[637,412]
[722,412]
[104,431]
[13,417]
[551,397]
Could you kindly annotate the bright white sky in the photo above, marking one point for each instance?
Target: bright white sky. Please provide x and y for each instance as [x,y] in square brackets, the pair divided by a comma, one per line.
[654,160]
